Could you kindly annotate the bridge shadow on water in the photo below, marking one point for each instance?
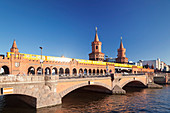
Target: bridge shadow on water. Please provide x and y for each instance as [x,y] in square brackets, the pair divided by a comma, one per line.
[12,104]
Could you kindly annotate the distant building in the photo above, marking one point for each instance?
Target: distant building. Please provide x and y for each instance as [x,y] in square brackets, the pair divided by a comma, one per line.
[139,63]
[166,67]
[156,64]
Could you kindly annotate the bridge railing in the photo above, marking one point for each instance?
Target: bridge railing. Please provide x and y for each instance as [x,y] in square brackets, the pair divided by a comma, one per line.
[128,74]
[6,79]
[82,76]
[33,78]
[131,74]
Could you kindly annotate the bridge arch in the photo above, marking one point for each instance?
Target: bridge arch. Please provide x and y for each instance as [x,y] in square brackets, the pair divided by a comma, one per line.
[74,72]
[47,71]
[80,71]
[31,71]
[93,71]
[85,71]
[39,71]
[81,85]
[28,99]
[61,71]
[101,72]
[54,71]
[4,70]
[104,71]
[134,83]
[67,71]
[89,71]
[97,71]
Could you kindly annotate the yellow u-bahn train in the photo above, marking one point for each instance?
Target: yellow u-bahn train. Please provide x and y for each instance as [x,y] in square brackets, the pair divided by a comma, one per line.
[63,59]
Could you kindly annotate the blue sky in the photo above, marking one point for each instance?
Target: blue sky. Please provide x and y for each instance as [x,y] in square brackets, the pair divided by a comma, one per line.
[67,27]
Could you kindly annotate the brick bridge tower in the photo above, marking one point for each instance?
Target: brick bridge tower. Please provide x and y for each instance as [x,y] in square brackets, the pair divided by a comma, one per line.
[96,49]
[121,57]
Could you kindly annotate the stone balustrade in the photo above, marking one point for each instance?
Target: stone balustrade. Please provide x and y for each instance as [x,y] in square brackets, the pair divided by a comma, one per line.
[9,79]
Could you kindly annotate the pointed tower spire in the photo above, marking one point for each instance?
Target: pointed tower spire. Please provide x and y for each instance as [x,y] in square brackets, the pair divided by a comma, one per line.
[14,44]
[121,43]
[96,36]
[14,47]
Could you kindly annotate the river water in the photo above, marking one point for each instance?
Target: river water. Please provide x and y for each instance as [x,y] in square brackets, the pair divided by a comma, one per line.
[136,100]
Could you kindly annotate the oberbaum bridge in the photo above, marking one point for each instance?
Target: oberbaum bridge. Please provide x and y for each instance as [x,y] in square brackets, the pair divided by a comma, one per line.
[42,81]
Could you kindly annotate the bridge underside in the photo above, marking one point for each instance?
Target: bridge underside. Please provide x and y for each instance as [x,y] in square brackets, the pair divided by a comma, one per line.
[93,88]
[135,84]
[15,100]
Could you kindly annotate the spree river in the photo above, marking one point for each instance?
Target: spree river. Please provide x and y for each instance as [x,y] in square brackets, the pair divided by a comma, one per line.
[136,100]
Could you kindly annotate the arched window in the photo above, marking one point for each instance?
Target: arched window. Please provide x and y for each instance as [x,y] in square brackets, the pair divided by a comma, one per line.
[96,47]
[104,71]
[89,71]
[47,71]
[97,71]
[93,71]
[4,70]
[74,72]
[54,71]
[39,71]
[85,71]
[31,71]
[61,71]
[81,71]
[67,71]
[101,72]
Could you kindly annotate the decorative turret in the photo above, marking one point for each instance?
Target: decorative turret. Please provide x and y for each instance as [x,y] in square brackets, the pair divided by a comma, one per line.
[14,48]
[121,57]
[96,49]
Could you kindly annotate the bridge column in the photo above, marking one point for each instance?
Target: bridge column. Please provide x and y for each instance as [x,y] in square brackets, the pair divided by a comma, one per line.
[87,72]
[118,90]
[71,72]
[64,72]
[48,93]
[36,72]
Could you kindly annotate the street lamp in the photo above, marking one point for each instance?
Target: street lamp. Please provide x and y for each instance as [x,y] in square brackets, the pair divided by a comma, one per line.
[41,61]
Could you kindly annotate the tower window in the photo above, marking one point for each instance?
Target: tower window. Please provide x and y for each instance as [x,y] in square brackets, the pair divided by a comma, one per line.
[96,47]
